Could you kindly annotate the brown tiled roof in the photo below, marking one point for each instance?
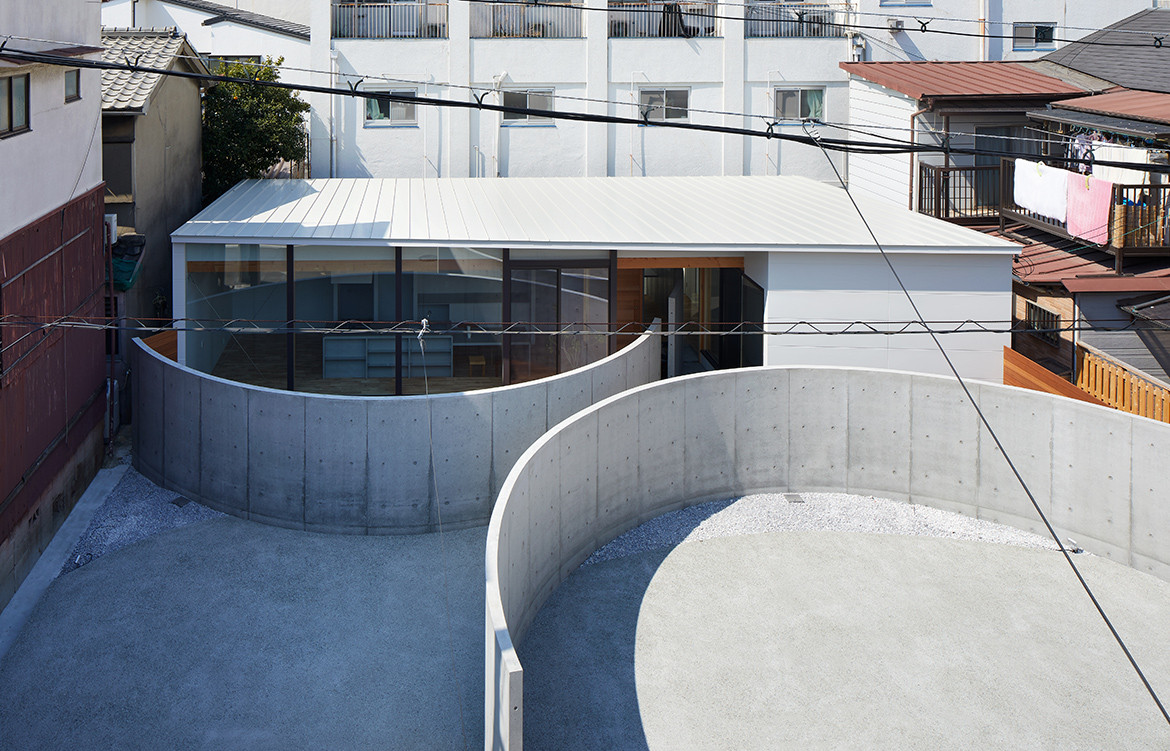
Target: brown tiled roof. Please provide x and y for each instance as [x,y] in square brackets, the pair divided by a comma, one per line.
[1138,105]
[126,91]
[926,79]
[1045,259]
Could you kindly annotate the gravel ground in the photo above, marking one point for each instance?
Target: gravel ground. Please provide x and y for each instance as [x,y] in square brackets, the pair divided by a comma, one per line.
[838,512]
[134,510]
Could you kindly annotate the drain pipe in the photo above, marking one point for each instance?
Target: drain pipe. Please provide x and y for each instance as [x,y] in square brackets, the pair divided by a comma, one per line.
[498,80]
[984,42]
[913,155]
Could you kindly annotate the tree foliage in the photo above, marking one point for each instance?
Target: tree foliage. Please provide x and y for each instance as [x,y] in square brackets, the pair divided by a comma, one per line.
[248,128]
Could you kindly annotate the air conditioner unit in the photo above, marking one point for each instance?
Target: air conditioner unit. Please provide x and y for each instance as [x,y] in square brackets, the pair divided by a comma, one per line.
[896,24]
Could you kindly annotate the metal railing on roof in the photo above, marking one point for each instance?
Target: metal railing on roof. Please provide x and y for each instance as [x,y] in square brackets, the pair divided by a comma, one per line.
[405,20]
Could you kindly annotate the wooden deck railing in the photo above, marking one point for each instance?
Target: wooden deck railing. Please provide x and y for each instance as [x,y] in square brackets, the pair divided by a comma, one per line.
[1119,386]
[963,195]
[1139,217]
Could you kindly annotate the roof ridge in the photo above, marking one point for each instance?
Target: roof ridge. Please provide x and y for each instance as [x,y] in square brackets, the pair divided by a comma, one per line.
[247,17]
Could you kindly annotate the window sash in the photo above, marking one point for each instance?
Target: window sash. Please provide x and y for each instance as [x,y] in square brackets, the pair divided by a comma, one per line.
[386,110]
[72,85]
[5,102]
[1033,36]
[538,99]
[658,105]
[800,104]
[20,102]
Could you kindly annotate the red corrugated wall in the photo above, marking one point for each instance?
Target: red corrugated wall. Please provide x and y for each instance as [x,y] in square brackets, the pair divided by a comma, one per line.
[52,382]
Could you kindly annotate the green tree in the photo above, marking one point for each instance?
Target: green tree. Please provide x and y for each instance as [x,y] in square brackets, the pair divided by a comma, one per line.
[248,128]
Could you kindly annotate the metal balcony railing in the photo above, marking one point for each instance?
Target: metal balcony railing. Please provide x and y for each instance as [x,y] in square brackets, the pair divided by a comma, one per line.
[793,20]
[405,20]
[664,19]
[963,195]
[520,19]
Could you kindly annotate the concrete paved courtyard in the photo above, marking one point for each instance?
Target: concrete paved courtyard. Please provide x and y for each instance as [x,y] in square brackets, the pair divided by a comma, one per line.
[228,634]
[817,639]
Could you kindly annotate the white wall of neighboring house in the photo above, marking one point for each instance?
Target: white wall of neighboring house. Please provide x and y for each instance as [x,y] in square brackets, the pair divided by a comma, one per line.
[290,10]
[59,158]
[1072,20]
[865,290]
[876,108]
[224,38]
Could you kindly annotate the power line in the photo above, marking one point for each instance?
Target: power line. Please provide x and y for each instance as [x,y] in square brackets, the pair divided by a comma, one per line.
[1002,450]
[770,133]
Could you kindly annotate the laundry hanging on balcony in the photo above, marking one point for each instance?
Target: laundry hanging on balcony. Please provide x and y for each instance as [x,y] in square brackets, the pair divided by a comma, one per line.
[1121,175]
[672,24]
[1089,200]
[1041,189]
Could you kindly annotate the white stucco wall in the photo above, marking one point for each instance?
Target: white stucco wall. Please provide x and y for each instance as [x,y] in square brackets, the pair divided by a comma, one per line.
[847,287]
[223,38]
[59,158]
[1001,14]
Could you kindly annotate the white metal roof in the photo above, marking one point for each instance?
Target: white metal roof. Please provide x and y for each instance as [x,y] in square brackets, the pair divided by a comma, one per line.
[624,213]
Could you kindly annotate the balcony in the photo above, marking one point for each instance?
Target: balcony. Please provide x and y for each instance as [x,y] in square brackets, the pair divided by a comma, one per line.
[1137,223]
[526,20]
[405,20]
[963,195]
[784,20]
[663,20]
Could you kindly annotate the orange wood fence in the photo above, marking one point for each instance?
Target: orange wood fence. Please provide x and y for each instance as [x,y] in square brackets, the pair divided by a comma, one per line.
[1019,370]
[1118,386]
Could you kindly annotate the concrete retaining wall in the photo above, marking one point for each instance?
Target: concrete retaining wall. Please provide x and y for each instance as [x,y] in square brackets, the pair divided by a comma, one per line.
[353,464]
[1094,471]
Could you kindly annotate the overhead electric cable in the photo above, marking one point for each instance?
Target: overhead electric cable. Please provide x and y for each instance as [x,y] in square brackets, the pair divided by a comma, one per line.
[1003,451]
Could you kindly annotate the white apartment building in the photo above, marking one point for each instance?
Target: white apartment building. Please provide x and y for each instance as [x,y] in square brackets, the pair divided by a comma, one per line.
[741,64]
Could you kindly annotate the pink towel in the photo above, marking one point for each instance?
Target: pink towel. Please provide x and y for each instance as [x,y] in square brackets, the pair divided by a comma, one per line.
[1088,208]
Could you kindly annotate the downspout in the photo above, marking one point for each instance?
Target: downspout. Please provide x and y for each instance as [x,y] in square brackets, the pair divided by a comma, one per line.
[913,155]
[984,41]
[498,80]
[332,109]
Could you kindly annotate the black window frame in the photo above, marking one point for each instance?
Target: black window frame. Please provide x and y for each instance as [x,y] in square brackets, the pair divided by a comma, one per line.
[7,82]
[1042,323]
[75,73]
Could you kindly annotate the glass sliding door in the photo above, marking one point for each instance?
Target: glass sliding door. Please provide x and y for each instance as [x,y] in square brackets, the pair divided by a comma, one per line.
[560,314]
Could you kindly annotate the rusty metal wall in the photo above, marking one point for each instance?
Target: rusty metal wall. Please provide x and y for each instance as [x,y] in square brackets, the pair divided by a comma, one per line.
[52,382]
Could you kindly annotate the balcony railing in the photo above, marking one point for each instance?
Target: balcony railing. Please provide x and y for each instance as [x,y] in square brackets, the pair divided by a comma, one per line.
[406,20]
[1120,386]
[664,19]
[963,195]
[504,21]
[1139,217]
[788,20]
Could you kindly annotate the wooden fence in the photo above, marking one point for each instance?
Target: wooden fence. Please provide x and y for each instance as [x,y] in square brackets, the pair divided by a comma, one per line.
[1117,386]
[1021,371]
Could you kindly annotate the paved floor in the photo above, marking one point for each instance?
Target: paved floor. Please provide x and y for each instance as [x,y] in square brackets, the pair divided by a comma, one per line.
[845,640]
[227,634]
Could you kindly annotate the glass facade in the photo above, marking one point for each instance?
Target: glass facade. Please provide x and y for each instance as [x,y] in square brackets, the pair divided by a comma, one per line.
[346,300]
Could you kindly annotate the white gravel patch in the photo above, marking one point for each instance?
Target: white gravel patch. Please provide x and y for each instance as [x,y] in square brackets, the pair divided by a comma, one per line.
[784,512]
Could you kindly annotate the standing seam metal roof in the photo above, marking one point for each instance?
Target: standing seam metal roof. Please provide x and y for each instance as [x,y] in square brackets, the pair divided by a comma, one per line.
[713,213]
[1140,105]
[924,79]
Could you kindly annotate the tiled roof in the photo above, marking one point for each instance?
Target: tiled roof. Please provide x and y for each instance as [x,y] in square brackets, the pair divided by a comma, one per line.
[1137,65]
[126,91]
[1046,259]
[925,79]
[247,18]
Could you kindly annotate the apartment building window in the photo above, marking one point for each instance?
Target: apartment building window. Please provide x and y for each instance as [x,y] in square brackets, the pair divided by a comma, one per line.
[72,85]
[1042,323]
[800,104]
[906,2]
[1033,36]
[13,104]
[383,111]
[658,105]
[536,99]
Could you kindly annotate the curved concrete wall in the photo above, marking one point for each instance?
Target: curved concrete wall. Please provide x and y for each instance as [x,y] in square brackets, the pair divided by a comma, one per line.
[352,464]
[1096,472]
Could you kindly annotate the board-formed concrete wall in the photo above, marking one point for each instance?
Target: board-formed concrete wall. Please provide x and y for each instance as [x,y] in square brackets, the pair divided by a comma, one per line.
[1094,471]
[346,464]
